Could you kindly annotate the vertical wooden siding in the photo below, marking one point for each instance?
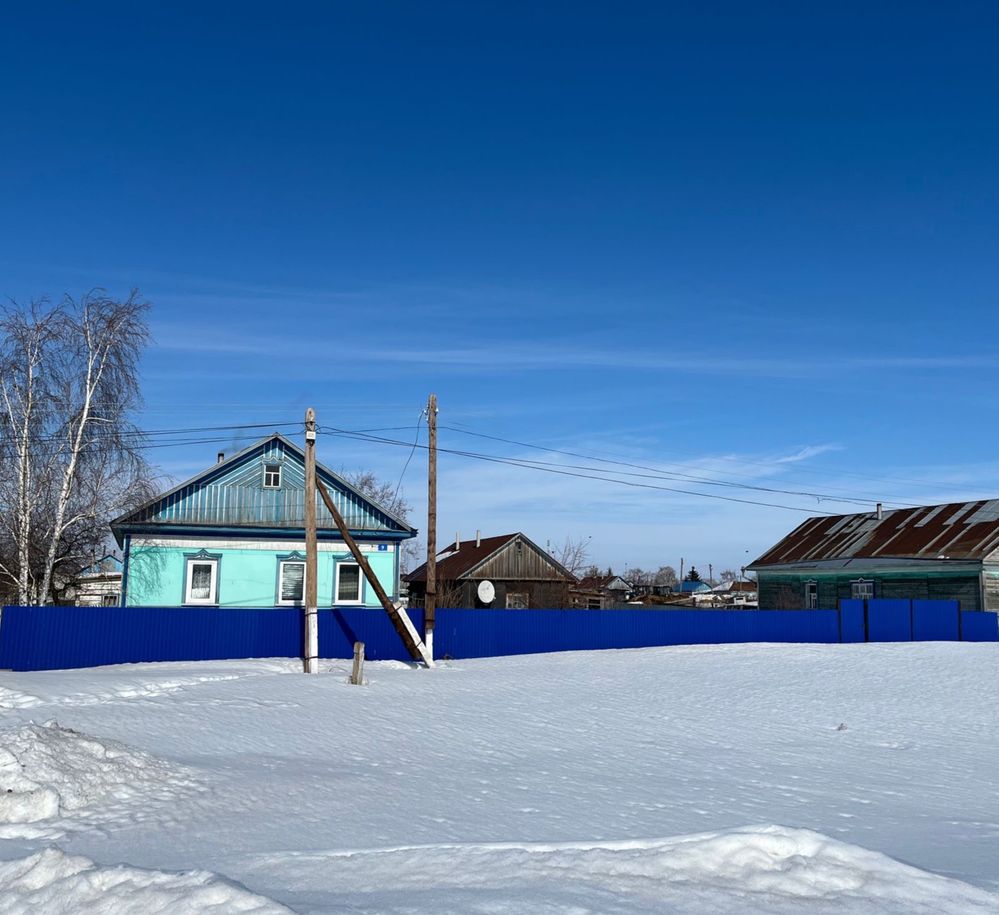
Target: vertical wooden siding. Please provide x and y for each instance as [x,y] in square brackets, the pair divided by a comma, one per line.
[236,496]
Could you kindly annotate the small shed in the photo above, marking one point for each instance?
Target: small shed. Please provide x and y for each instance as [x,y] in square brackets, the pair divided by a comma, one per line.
[522,575]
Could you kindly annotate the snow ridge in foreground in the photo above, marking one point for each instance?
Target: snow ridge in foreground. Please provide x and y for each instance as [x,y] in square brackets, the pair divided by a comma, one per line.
[47,770]
[56,883]
[763,869]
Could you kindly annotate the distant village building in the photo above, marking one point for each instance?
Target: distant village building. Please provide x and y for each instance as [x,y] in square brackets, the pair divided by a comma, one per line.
[936,552]
[728,594]
[506,572]
[234,536]
[98,585]
[600,592]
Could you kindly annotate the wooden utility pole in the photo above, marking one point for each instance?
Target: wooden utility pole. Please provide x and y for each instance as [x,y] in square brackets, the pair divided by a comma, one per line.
[430,603]
[310,653]
[400,620]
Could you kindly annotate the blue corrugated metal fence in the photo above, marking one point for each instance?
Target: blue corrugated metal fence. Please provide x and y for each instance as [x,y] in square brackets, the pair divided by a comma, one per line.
[45,638]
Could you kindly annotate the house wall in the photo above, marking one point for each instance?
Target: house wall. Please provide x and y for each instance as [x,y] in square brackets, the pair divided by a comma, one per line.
[540,594]
[91,592]
[781,590]
[248,571]
[990,577]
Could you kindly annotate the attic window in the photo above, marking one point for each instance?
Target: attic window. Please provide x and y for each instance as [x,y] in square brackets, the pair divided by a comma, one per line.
[272,476]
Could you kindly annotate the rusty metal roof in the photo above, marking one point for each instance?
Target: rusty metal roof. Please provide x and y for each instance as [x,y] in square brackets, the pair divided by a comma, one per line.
[958,531]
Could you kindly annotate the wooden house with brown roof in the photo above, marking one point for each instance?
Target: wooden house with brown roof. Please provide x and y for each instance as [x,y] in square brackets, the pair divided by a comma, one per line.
[945,552]
[520,573]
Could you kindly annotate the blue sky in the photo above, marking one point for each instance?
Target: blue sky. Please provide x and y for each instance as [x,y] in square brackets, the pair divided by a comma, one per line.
[751,243]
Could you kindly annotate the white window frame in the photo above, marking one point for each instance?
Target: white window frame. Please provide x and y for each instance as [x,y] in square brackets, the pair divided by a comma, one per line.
[280,584]
[811,594]
[868,586]
[336,585]
[213,591]
[267,472]
[518,597]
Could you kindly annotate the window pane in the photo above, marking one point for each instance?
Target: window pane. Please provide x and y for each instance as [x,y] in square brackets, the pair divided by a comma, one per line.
[201,581]
[349,583]
[292,580]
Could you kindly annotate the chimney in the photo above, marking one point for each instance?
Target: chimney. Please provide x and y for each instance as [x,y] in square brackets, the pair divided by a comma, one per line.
[881,513]
[220,458]
[457,541]
[478,538]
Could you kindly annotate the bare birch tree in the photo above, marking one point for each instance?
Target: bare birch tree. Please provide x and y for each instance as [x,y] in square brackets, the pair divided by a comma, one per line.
[69,381]
[393,501]
[29,335]
[573,554]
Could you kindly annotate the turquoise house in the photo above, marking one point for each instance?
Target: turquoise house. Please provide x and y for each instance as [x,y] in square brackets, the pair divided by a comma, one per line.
[234,536]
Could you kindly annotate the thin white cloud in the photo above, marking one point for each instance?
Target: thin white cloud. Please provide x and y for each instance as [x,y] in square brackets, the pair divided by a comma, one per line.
[506,356]
[807,452]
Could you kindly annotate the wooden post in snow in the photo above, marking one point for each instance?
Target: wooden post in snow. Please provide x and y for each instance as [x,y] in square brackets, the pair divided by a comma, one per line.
[357,673]
[310,651]
[400,620]
[430,603]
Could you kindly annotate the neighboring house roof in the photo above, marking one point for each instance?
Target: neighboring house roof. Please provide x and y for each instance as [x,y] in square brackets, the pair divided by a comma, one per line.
[691,587]
[106,566]
[735,587]
[603,583]
[454,564]
[229,494]
[955,531]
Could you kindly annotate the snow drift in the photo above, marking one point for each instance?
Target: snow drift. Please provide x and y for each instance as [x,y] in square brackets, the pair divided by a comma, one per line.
[47,770]
[767,869]
[55,883]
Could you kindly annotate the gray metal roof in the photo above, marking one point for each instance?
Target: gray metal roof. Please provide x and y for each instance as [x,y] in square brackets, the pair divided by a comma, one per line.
[955,531]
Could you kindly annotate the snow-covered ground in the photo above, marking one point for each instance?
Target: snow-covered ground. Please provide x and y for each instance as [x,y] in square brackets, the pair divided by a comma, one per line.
[756,778]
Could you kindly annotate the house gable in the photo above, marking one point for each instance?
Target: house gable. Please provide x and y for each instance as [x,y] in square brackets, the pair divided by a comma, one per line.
[233,495]
[496,558]
[519,560]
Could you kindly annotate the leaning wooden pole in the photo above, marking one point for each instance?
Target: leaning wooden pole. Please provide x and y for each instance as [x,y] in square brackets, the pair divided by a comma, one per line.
[400,620]
[430,603]
[310,649]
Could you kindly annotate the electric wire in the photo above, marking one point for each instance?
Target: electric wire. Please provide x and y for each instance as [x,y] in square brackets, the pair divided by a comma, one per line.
[693,478]
[572,473]
[405,467]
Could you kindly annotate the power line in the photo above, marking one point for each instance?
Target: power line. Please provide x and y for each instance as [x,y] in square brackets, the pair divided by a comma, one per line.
[571,473]
[656,473]
[814,470]
[96,432]
[405,467]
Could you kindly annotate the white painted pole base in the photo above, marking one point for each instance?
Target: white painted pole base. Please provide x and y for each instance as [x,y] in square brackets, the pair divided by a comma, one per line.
[311,641]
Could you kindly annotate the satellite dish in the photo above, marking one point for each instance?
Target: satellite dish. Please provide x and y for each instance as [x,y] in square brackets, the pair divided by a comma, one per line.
[486,592]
